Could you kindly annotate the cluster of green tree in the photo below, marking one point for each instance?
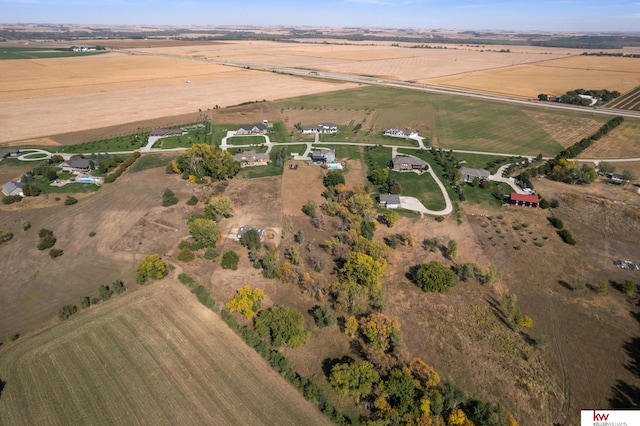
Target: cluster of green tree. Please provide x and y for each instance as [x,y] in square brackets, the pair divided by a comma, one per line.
[47,241]
[283,325]
[589,41]
[10,199]
[404,238]
[380,177]
[617,55]
[104,293]
[566,171]
[69,201]
[202,163]
[124,165]
[268,260]
[281,364]
[200,291]
[152,268]
[400,391]
[574,96]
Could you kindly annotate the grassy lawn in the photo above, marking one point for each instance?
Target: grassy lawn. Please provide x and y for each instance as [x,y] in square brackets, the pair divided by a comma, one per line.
[120,143]
[43,184]
[149,161]
[258,149]
[377,157]
[348,152]
[184,141]
[458,122]
[246,140]
[422,187]
[482,161]
[379,139]
[484,196]
[279,133]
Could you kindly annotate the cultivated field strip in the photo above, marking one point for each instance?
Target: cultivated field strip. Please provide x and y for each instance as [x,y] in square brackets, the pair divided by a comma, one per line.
[152,357]
[630,101]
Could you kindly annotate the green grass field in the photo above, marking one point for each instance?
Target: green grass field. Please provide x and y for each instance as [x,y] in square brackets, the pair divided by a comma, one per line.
[150,161]
[151,357]
[8,53]
[43,184]
[343,152]
[246,140]
[422,187]
[120,143]
[460,123]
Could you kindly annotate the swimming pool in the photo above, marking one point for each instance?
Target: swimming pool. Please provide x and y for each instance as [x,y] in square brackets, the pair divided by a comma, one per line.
[86,180]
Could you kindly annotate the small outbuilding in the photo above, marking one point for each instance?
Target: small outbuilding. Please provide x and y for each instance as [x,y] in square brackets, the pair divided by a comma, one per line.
[524,200]
[13,188]
[389,201]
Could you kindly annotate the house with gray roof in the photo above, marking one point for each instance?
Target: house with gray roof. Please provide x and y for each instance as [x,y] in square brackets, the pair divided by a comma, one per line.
[252,129]
[403,163]
[251,158]
[390,201]
[76,165]
[13,188]
[323,155]
[468,175]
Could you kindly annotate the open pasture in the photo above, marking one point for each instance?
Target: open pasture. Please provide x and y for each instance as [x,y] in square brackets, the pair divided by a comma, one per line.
[154,356]
[554,77]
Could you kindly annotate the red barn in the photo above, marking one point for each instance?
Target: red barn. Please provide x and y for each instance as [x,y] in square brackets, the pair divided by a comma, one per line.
[525,200]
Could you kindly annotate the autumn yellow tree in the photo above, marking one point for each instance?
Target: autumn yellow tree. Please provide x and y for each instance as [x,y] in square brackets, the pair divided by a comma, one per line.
[350,326]
[458,418]
[246,301]
[424,373]
[380,331]
[153,268]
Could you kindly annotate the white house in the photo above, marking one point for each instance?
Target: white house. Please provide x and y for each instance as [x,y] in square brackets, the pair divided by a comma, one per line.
[321,128]
[401,133]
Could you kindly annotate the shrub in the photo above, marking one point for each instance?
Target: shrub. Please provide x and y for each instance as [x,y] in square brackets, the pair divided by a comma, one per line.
[298,237]
[556,222]
[628,287]
[230,260]
[434,276]
[85,302]
[544,204]
[153,267]
[186,255]
[118,286]
[211,254]
[169,198]
[192,201]
[70,201]
[46,242]
[251,240]
[110,178]
[10,199]
[5,236]
[92,234]
[310,208]
[66,311]
[323,316]
[333,178]
[554,204]
[12,337]
[566,236]
[104,292]
[54,252]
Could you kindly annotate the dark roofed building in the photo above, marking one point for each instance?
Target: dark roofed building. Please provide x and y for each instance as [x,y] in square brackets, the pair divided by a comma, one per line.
[4,153]
[252,129]
[76,165]
[408,162]
[524,200]
[323,155]
[166,132]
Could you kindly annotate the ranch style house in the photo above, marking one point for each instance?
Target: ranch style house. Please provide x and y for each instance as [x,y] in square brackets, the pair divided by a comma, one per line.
[251,158]
[321,128]
[468,175]
[403,163]
[252,129]
[401,133]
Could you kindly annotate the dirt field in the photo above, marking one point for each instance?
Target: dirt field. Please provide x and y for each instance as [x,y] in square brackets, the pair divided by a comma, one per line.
[554,77]
[151,356]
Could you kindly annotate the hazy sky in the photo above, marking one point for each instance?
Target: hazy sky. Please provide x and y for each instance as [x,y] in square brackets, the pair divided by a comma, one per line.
[554,15]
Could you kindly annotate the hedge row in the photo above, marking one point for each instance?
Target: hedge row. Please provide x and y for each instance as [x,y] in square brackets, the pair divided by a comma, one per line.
[111,177]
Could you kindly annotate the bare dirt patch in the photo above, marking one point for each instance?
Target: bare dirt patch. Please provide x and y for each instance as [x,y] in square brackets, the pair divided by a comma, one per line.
[300,185]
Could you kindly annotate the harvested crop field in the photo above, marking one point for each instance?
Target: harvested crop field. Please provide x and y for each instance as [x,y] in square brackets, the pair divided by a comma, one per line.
[630,100]
[622,142]
[554,77]
[115,88]
[151,357]
[566,129]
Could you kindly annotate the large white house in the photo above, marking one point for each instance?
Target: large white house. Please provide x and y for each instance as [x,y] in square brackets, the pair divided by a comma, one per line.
[321,128]
[401,133]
